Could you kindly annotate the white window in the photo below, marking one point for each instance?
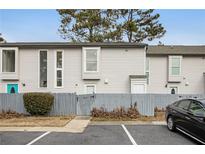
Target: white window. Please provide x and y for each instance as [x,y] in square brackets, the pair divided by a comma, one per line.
[138,86]
[9,60]
[147,70]
[175,65]
[91,59]
[59,69]
[43,68]
[173,90]
[90,88]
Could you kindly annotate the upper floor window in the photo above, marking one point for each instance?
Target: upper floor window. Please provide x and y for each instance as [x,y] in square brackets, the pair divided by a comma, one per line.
[175,65]
[91,59]
[8,60]
[59,69]
[43,68]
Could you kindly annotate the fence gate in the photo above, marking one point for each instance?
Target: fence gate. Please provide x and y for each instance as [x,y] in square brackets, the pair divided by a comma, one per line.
[84,104]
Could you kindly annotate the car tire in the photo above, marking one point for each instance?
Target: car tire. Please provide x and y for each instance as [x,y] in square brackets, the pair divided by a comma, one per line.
[170,123]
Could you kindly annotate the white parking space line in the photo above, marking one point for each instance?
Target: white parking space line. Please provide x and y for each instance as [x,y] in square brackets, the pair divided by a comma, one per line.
[129,135]
[190,135]
[38,138]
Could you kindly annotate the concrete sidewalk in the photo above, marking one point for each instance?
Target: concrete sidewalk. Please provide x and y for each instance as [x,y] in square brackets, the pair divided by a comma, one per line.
[76,125]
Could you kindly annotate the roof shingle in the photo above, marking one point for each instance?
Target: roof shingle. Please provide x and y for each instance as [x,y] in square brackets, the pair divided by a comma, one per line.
[176,49]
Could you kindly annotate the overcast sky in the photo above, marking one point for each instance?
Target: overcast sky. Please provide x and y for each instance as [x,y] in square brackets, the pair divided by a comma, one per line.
[185,27]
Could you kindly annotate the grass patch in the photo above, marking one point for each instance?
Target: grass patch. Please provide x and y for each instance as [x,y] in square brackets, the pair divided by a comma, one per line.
[31,121]
[12,119]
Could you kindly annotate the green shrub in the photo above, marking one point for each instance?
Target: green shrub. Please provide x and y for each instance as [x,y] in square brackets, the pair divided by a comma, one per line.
[38,103]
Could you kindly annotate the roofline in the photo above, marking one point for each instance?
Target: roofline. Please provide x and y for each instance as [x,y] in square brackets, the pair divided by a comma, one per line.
[177,45]
[152,53]
[73,45]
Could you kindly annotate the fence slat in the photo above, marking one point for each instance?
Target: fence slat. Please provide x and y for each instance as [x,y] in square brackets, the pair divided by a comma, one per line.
[67,104]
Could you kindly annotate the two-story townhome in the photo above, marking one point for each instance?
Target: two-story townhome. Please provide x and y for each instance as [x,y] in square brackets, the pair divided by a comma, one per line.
[73,67]
[101,68]
[176,69]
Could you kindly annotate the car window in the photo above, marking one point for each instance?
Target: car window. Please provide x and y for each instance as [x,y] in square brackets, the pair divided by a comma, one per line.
[196,109]
[175,103]
[184,104]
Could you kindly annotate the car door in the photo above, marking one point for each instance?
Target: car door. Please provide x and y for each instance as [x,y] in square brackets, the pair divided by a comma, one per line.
[196,121]
[181,114]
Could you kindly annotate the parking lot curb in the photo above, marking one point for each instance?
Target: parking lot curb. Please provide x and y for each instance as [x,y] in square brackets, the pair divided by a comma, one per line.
[127,123]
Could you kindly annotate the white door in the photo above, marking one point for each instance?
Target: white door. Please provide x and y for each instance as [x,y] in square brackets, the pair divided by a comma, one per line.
[138,88]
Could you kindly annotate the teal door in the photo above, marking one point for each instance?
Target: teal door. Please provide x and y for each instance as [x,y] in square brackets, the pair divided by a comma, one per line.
[12,88]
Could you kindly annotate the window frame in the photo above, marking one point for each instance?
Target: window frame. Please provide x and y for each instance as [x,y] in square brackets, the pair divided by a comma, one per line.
[171,66]
[39,73]
[169,87]
[197,103]
[58,69]
[84,59]
[90,84]
[190,101]
[147,70]
[6,87]
[16,59]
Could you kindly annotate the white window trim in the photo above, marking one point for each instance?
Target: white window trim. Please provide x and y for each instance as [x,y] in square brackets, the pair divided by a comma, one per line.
[147,71]
[55,68]
[84,59]
[16,59]
[137,81]
[170,65]
[39,68]
[173,86]
[145,59]
[85,88]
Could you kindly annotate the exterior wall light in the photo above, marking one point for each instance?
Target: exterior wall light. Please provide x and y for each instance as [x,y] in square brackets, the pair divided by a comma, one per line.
[106,81]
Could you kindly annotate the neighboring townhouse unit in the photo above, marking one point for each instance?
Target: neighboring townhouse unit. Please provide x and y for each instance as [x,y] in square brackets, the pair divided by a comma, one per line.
[73,67]
[176,69]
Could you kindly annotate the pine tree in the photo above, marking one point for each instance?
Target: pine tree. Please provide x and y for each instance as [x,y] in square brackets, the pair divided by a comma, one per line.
[128,25]
[88,25]
[1,38]
[140,25]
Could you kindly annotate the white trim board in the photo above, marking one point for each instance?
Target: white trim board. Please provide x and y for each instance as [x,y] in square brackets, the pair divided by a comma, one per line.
[39,68]
[84,59]
[55,69]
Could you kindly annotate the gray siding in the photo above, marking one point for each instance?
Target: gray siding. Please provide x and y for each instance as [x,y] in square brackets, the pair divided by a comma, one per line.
[193,68]
[116,64]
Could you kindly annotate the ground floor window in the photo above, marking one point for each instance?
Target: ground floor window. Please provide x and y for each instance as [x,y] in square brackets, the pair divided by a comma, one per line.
[59,69]
[173,90]
[90,88]
[12,88]
[43,68]
[138,86]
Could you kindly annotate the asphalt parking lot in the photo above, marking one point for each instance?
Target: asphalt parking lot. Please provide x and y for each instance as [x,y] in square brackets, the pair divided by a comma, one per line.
[100,135]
